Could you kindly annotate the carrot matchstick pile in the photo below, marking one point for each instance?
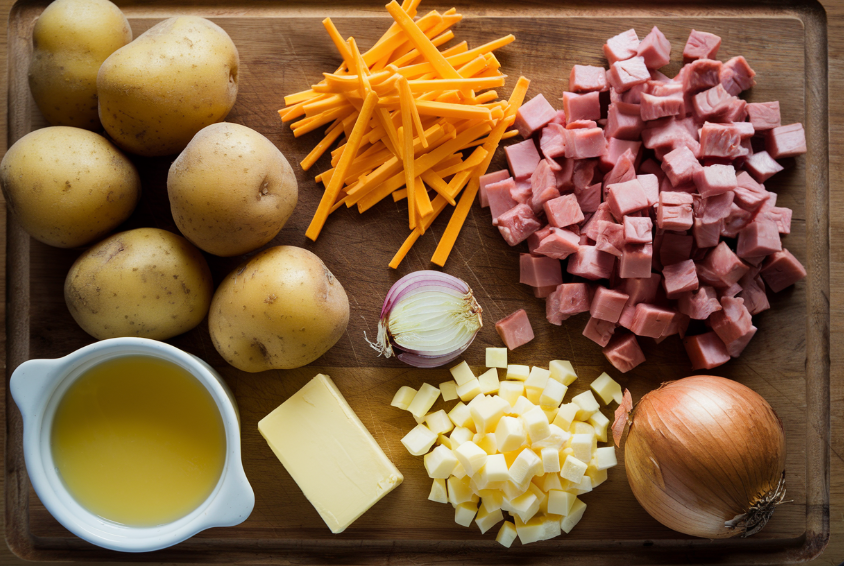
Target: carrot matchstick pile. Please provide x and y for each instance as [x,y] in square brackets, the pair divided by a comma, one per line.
[412,122]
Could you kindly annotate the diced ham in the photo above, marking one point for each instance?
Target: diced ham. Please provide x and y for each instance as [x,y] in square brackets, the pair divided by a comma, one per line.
[500,198]
[543,184]
[564,172]
[786,141]
[615,149]
[737,219]
[539,271]
[732,324]
[568,300]
[736,75]
[706,351]
[534,239]
[581,124]
[650,184]
[679,278]
[636,261]
[759,238]
[653,107]
[563,211]
[581,106]
[700,304]
[701,45]
[715,180]
[638,230]
[651,167]
[753,292]
[559,118]
[517,224]
[725,264]
[622,46]
[623,122]
[488,179]
[552,142]
[558,244]
[586,78]
[762,166]
[590,227]
[749,194]
[522,192]
[764,115]
[610,238]
[707,234]
[515,329]
[534,115]
[641,290]
[782,217]
[624,170]
[627,197]
[781,270]
[607,304]
[681,166]
[582,143]
[623,352]
[591,263]
[542,292]
[628,73]
[669,133]
[599,331]
[675,248]
[711,209]
[701,74]
[522,158]
[655,49]
[589,198]
[650,320]
[675,211]
[721,140]
[712,103]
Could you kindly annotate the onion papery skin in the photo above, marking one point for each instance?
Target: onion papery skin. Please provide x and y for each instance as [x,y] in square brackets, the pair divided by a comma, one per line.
[703,450]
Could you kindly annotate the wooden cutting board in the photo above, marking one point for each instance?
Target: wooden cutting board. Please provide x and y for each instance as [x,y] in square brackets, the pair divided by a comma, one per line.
[283,49]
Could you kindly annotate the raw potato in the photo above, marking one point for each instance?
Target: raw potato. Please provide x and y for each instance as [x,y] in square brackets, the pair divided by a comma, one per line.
[157,92]
[281,310]
[71,39]
[231,190]
[67,186]
[145,282]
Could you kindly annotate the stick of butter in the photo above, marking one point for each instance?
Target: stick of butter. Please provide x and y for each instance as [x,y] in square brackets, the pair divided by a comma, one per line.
[324,446]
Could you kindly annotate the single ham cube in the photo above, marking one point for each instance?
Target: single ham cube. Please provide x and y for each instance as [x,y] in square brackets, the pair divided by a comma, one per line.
[624,125]
[736,75]
[610,238]
[607,304]
[563,211]
[625,74]
[534,115]
[589,198]
[615,149]
[782,217]
[638,230]
[781,270]
[715,180]
[623,352]
[762,166]
[764,115]
[552,142]
[627,197]
[786,141]
[586,78]
[583,172]
[749,194]
[680,166]
[675,248]
[701,45]
[674,211]
[759,238]
[701,74]
[679,325]
[517,224]
[721,140]
[636,261]
[670,133]
[732,324]
[700,304]
[725,264]
[535,238]
[650,320]
[737,219]
[711,209]
[568,300]
[655,49]
[753,292]
[543,184]
[559,244]
[564,174]
[488,179]
[590,227]
[539,271]
[581,106]
[559,118]
[679,278]
[641,290]
[599,331]
[653,107]
[624,170]
[591,263]
[499,197]
[650,184]
[522,192]
[712,103]
[582,143]
[515,330]
[707,234]
[706,351]
[522,158]
[622,46]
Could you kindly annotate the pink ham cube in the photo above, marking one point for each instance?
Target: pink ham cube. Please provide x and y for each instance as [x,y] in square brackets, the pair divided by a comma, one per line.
[712,103]
[679,278]
[499,198]
[589,198]
[522,192]
[782,217]
[591,263]
[762,166]
[675,211]
[488,179]
[701,74]
[583,172]
[715,180]
[623,352]
[638,230]
[706,351]
[624,170]
[736,75]
[563,211]
[732,324]
[641,290]
[653,107]
[636,261]
[552,142]
[725,264]
[701,45]
[534,239]
[781,270]
[764,115]
[622,46]
[599,331]
[655,49]
[700,304]
[722,140]
[581,106]
[650,184]
[534,115]
[616,148]
[669,133]
[607,304]
[543,184]
[517,224]
[759,238]
[539,271]
[586,78]
[627,197]
[710,209]
[564,172]
[786,141]
[582,143]
[753,292]
[558,244]
[650,320]
[610,238]
[522,158]
[590,227]
[624,122]
[625,74]
[749,194]
[680,166]
[581,124]
[568,300]
[515,329]
[707,233]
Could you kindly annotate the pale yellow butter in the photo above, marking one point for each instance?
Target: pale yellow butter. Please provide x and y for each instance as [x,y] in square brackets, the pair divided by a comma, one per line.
[324,446]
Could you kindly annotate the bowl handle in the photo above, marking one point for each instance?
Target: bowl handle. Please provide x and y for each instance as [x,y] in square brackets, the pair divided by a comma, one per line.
[234,502]
[31,385]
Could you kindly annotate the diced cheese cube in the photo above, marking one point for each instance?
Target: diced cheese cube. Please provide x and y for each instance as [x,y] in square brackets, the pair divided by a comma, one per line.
[517,372]
[462,373]
[607,389]
[486,519]
[513,490]
[448,389]
[403,397]
[525,506]
[539,528]
[491,499]
[553,394]
[419,440]
[581,444]
[438,491]
[537,491]
[469,390]
[560,502]
[526,465]
[510,434]
[487,443]
[489,381]
[599,422]
[445,441]
[555,439]
[582,428]
[506,534]
[562,371]
[597,476]
[566,415]
[551,481]
[487,412]
[459,472]
[550,414]
[495,469]
[605,457]
[535,383]
[460,492]
[464,513]
[440,462]
[438,422]
[472,456]
[423,400]
[496,357]
[522,406]
[460,435]
[419,420]
[550,460]
[461,416]
[587,404]
[475,400]
[572,470]
[511,391]
[574,516]
[536,424]
[584,486]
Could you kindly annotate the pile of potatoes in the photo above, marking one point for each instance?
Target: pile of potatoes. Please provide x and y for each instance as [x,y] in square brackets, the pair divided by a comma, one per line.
[230,190]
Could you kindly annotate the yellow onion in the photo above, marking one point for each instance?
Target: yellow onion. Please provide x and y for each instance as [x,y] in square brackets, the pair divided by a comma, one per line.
[705,456]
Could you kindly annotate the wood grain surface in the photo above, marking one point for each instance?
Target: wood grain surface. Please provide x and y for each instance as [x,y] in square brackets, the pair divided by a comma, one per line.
[357,248]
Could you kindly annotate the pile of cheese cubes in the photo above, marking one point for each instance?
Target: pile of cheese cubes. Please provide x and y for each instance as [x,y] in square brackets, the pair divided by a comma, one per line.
[512,445]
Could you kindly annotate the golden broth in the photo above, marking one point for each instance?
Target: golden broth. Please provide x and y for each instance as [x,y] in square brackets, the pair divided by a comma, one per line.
[139,441]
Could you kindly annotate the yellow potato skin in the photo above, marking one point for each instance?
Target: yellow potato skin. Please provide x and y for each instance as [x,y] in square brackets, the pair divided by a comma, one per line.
[67,186]
[157,92]
[231,190]
[283,309]
[145,282]
[71,39]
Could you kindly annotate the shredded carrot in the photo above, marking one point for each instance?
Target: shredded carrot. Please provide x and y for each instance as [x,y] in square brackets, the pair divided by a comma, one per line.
[320,148]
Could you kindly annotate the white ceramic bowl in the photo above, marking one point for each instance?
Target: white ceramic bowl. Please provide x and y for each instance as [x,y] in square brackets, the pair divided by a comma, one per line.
[37,387]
